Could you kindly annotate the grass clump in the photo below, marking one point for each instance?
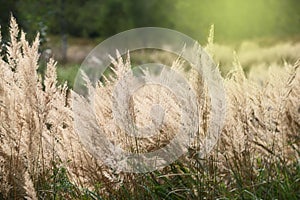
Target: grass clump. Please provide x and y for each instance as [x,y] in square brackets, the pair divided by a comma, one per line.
[41,156]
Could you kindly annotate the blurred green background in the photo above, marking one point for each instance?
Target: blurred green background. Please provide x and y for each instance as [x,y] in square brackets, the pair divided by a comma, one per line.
[72,28]
[233,19]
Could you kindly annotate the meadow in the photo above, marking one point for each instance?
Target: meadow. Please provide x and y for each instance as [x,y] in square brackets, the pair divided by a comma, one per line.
[257,155]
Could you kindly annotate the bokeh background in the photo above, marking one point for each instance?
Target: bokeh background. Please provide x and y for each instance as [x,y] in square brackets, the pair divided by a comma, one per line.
[70,29]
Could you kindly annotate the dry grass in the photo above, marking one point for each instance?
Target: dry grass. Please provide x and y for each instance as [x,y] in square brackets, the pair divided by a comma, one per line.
[36,119]
[42,157]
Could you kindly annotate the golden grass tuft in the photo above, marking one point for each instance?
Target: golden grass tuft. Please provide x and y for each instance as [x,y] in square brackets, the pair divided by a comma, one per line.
[37,133]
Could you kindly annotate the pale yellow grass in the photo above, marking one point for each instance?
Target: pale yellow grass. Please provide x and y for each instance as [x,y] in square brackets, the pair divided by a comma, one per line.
[36,119]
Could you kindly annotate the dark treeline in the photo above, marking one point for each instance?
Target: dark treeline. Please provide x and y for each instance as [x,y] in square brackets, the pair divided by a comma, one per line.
[90,18]
[233,19]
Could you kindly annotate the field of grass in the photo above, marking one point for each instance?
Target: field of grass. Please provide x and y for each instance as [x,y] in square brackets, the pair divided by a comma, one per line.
[257,55]
[256,157]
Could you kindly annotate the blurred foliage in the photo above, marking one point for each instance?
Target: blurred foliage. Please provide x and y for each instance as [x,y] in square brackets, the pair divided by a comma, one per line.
[236,20]
[233,19]
[91,18]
